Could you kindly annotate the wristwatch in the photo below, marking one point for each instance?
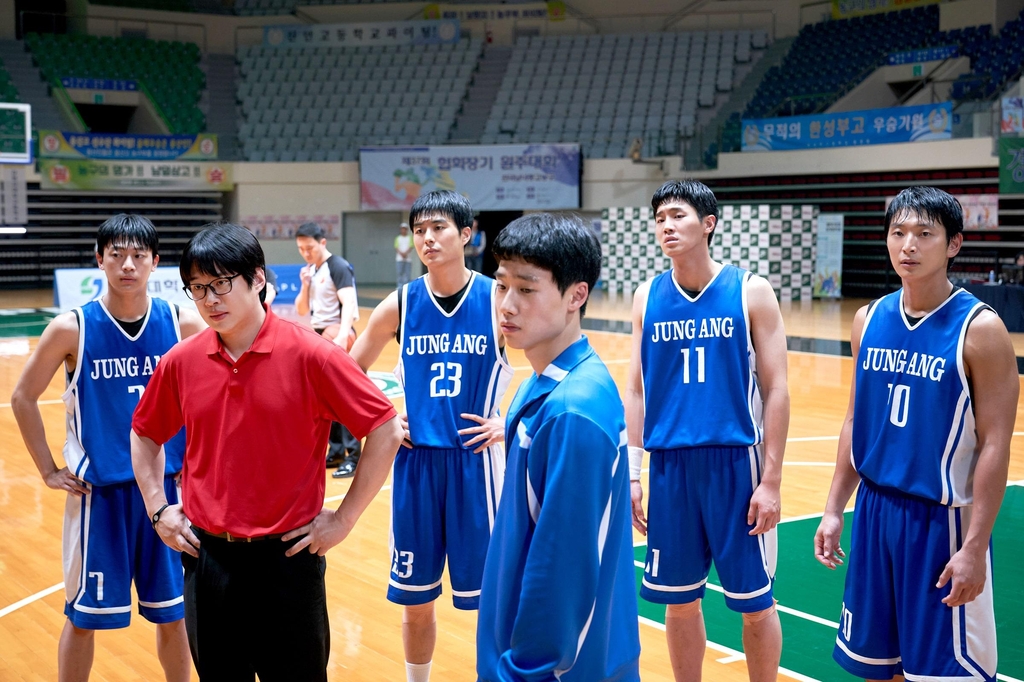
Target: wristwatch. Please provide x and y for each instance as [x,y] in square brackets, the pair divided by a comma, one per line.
[157,513]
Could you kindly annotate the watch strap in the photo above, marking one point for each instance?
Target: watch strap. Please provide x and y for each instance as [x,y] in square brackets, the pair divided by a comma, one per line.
[156,516]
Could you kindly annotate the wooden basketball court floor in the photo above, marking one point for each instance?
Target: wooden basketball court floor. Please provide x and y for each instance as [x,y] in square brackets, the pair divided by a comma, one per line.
[366,628]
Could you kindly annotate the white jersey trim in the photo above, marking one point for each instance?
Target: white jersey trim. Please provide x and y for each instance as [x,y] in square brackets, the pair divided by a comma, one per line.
[162,604]
[413,588]
[903,312]
[674,588]
[465,295]
[866,659]
[755,406]
[671,275]
[977,617]
[145,320]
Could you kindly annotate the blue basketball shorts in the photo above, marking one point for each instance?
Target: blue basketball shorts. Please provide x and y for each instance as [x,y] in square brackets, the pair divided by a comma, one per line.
[697,513]
[442,504]
[893,620]
[109,542]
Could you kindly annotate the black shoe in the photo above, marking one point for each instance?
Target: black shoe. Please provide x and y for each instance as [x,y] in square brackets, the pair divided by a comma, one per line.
[346,469]
[335,459]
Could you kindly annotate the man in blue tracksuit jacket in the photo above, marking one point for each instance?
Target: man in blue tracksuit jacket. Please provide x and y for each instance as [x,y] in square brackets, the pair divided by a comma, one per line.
[559,596]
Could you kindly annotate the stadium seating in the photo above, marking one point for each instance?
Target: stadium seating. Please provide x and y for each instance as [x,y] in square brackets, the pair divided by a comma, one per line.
[169,70]
[165,5]
[261,7]
[994,60]
[8,93]
[828,59]
[322,103]
[604,91]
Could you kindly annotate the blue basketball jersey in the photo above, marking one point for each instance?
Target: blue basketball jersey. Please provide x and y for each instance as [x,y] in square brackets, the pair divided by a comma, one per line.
[913,423]
[112,372]
[697,359]
[450,363]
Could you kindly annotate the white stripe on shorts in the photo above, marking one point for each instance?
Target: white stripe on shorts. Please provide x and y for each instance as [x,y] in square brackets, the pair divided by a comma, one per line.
[674,588]
[413,588]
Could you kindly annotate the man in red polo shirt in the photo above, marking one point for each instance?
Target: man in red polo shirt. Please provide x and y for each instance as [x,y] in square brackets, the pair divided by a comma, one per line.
[257,396]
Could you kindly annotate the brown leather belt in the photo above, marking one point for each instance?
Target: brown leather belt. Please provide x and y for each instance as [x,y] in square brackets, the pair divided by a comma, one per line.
[234,538]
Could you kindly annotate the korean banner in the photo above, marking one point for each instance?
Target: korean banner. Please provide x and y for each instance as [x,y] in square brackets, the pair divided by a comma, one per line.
[72,83]
[551,11]
[73,287]
[850,128]
[127,175]
[828,270]
[1013,115]
[285,226]
[54,144]
[1011,165]
[981,211]
[492,177]
[928,54]
[419,32]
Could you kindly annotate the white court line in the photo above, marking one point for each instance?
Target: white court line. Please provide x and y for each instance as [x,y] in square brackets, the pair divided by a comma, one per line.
[1007,678]
[28,600]
[737,655]
[40,402]
[335,498]
[778,607]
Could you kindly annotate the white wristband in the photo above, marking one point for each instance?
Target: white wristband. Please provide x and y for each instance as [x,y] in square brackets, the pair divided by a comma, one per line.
[636,458]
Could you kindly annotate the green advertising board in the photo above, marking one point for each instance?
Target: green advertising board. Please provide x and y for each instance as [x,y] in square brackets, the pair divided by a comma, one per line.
[78,174]
[1011,165]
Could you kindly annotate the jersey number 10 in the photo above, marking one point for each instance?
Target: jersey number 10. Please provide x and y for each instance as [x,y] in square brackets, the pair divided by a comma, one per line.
[899,400]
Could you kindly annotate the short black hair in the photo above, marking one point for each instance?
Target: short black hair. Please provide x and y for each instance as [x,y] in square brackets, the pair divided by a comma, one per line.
[224,249]
[929,203]
[310,230]
[560,243]
[127,230]
[451,205]
[692,192]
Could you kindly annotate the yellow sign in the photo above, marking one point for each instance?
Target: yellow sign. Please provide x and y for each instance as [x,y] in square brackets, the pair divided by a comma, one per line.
[556,10]
[845,9]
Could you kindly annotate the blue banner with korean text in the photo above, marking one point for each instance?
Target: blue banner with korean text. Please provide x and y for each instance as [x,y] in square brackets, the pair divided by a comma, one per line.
[72,83]
[418,32]
[928,54]
[492,177]
[850,128]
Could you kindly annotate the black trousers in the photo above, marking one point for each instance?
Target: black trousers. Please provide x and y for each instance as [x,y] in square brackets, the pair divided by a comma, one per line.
[250,610]
[341,442]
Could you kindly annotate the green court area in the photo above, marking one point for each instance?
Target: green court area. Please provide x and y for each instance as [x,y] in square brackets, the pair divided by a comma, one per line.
[24,321]
[810,597]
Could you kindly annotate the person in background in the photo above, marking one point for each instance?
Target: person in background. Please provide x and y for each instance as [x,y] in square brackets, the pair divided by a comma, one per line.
[328,294]
[476,248]
[403,256]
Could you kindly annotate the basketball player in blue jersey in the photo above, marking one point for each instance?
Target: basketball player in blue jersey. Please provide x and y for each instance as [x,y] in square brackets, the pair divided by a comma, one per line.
[707,396]
[927,437]
[109,348]
[559,591]
[452,366]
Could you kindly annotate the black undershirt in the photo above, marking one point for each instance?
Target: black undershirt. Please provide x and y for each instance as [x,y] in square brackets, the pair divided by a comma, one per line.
[133,328]
[447,303]
[913,321]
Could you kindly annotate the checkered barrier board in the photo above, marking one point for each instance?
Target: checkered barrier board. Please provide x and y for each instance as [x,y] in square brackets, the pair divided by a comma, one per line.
[774,241]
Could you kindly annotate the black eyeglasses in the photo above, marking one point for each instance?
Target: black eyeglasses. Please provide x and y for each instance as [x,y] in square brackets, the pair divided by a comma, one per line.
[221,286]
